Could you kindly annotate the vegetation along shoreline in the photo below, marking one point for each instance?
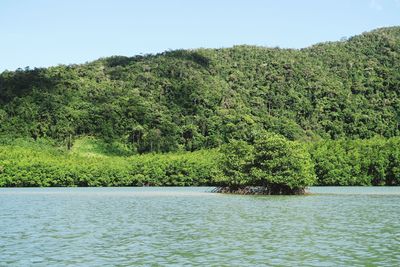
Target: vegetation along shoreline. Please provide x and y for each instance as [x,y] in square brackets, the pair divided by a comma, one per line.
[235,118]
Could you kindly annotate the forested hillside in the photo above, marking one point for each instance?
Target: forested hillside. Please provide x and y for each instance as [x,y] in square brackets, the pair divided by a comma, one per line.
[195,99]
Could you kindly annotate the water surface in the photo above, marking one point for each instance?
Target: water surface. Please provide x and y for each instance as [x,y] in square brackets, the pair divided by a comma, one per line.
[354,226]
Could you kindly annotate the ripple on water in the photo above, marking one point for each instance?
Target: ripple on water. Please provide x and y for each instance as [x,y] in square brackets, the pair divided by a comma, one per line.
[190,226]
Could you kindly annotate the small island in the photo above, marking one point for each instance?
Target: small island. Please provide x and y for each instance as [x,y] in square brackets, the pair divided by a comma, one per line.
[272,165]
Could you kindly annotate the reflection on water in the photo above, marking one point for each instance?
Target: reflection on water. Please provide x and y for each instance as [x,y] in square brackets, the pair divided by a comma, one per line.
[191,226]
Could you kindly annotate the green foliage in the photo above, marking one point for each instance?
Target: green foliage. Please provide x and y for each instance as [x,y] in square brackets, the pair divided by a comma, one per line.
[90,146]
[196,99]
[236,161]
[281,162]
[272,162]
[130,121]
[393,170]
[25,163]
[357,162]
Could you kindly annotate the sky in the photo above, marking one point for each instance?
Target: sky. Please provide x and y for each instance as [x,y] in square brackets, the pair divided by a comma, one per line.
[41,33]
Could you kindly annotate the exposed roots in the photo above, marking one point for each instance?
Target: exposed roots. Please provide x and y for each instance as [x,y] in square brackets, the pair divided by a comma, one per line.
[260,190]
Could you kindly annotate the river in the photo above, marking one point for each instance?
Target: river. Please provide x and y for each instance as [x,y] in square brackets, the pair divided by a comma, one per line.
[333,226]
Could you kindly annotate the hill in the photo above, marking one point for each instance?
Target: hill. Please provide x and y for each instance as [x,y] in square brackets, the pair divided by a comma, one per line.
[195,99]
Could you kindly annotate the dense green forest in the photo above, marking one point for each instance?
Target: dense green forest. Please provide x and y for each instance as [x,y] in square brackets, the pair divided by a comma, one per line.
[339,99]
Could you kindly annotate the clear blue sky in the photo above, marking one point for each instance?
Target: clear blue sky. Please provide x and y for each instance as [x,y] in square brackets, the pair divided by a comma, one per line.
[39,33]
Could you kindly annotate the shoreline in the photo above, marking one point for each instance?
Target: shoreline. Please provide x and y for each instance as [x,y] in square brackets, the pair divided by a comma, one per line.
[261,190]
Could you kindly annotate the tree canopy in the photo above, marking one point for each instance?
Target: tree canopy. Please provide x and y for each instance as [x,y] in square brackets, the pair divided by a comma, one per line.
[202,98]
[273,162]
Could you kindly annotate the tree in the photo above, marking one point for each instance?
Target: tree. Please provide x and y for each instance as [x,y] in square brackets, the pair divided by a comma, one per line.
[236,160]
[275,164]
[283,166]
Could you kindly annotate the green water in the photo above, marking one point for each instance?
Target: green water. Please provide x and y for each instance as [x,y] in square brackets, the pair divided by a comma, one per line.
[348,226]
